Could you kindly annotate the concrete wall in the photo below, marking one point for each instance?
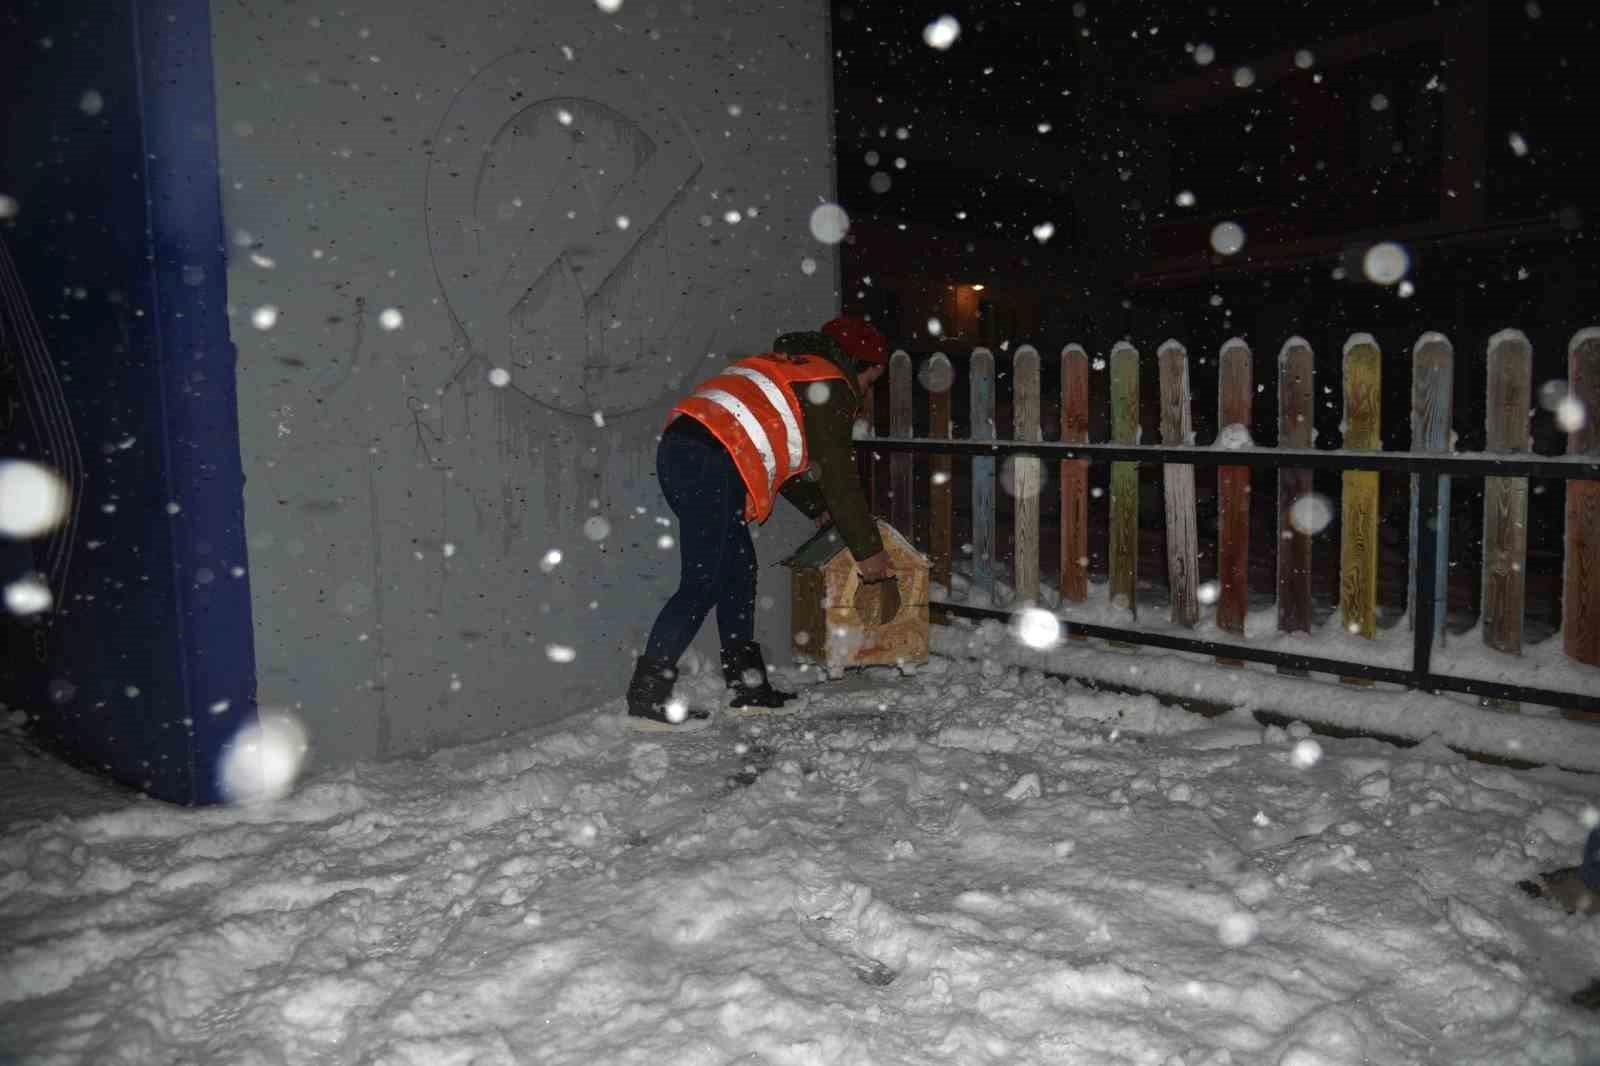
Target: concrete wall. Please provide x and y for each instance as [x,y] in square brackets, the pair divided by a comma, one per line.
[541,188]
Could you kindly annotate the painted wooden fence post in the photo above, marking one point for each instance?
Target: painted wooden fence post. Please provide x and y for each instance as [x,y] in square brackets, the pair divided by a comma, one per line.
[983,576]
[1358,533]
[1580,617]
[902,496]
[1432,382]
[1183,538]
[1235,394]
[1074,475]
[1026,474]
[1505,499]
[940,379]
[1125,478]
[1295,372]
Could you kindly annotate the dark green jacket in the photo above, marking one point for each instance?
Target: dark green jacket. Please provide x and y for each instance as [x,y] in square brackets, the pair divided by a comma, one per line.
[831,483]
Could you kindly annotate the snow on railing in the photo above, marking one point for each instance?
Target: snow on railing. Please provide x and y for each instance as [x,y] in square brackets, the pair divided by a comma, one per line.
[1301,513]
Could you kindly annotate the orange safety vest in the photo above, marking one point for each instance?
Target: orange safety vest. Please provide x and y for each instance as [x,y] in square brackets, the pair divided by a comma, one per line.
[753,408]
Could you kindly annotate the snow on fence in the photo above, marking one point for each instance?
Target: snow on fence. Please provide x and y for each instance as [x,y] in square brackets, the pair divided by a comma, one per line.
[1504,466]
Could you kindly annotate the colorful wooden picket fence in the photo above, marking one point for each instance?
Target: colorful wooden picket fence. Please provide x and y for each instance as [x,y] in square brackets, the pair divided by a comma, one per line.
[1509,390]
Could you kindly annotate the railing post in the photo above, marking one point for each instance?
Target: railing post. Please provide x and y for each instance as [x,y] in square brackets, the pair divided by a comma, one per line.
[983,466]
[1579,415]
[1124,562]
[1074,476]
[1432,387]
[939,381]
[1027,475]
[1358,528]
[1177,481]
[902,496]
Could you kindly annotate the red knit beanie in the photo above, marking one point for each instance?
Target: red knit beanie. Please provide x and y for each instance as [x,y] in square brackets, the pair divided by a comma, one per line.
[859,338]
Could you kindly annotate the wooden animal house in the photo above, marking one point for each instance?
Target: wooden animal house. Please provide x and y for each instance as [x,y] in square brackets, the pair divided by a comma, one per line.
[837,618]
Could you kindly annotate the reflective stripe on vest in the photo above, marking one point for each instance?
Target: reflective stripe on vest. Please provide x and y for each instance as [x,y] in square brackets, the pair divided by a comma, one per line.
[749,423]
[752,408]
[791,425]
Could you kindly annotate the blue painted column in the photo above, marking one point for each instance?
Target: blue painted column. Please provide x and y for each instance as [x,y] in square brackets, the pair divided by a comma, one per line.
[145,668]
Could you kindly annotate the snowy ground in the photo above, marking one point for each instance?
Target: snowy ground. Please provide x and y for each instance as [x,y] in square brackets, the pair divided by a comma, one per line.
[969,866]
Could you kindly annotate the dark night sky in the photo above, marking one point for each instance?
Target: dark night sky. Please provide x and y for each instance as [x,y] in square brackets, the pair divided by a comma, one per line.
[1087,70]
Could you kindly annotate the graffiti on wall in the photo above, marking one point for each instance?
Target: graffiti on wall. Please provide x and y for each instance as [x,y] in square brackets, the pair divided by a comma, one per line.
[549,226]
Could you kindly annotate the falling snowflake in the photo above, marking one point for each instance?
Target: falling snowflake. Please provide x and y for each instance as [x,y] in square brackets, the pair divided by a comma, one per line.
[499,377]
[1044,231]
[27,595]
[559,653]
[264,317]
[1307,753]
[1227,237]
[1037,628]
[1570,414]
[1386,262]
[263,759]
[391,319]
[1310,514]
[33,499]
[551,560]
[1204,55]
[942,32]
[829,223]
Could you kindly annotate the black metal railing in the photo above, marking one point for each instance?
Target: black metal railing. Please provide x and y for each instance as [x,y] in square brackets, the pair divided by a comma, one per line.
[1428,467]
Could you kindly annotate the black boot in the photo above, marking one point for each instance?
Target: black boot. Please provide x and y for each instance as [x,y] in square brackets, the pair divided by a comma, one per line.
[651,689]
[745,670]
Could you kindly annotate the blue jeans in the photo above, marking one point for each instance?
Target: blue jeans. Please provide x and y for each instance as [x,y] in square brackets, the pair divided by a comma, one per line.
[704,490]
